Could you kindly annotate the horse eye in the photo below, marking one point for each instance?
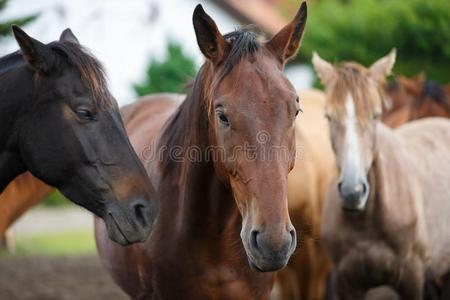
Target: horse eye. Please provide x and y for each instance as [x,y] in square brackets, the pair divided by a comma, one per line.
[84,114]
[223,118]
[328,117]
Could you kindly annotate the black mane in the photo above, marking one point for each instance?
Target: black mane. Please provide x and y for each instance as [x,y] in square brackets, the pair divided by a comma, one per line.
[434,91]
[10,61]
[90,69]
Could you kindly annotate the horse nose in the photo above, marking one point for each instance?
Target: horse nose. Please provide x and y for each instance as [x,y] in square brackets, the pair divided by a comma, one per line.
[353,195]
[265,245]
[142,211]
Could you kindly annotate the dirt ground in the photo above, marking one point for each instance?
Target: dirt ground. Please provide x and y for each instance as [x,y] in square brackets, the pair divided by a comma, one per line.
[56,278]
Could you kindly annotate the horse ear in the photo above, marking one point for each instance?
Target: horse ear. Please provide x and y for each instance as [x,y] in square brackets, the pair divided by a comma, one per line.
[325,70]
[68,36]
[383,67]
[38,55]
[286,42]
[411,86]
[209,39]
[420,77]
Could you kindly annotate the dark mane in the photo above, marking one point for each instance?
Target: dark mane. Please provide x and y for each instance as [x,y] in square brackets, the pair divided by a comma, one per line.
[189,125]
[433,90]
[90,69]
[244,42]
[10,61]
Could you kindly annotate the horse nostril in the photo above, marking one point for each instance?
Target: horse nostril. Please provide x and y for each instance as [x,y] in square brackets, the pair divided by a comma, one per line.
[140,210]
[139,215]
[340,187]
[364,188]
[293,234]
[254,239]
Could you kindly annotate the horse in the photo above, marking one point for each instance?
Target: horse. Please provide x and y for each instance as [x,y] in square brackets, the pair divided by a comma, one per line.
[385,217]
[415,98]
[219,162]
[60,122]
[21,194]
[305,276]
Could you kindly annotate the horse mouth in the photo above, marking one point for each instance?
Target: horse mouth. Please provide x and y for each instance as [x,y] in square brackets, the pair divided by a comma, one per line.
[118,234]
[266,265]
[115,232]
[352,210]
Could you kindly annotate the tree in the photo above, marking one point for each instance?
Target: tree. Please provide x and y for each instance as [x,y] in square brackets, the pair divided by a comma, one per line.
[365,30]
[169,75]
[5,27]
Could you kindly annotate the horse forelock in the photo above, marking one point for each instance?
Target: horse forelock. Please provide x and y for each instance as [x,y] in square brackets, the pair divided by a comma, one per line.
[190,123]
[354,80]
[89,68]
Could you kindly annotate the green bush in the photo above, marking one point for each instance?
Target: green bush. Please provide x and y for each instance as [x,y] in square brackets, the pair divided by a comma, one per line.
[365,30]
[5,27]
[169,75]
[55,198]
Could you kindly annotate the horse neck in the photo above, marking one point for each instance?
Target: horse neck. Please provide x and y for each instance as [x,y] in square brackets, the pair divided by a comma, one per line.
[391,201]
[16,85]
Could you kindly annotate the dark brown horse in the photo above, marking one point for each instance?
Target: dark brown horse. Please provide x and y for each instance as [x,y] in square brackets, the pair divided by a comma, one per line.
[385,218]
[220,163]
[409,99]
[59,121]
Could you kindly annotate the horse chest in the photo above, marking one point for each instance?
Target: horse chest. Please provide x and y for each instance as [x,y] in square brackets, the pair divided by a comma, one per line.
[202,268]
[191,276]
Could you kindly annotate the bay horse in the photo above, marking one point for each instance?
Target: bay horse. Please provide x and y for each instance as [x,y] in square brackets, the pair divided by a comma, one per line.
[60,122]
[219,162]
[415,98]
[385,217]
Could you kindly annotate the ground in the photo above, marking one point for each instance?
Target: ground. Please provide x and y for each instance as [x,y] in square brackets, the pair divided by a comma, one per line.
[56,278]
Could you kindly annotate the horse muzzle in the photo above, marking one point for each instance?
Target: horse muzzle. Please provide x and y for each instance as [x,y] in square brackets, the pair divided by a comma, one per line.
[266,256]
[130,223]
[353,195]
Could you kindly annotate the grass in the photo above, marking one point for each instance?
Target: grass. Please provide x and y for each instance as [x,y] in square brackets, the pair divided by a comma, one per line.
[61,243]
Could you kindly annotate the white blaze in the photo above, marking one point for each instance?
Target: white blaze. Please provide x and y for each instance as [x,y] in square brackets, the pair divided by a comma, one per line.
[352,158]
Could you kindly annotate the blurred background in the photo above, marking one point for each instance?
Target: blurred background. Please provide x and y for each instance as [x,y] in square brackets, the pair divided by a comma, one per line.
[149,46]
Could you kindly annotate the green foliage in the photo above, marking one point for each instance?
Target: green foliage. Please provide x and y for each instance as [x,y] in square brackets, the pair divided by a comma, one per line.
[365,30]
[169,75]
[55,199]
[5,27]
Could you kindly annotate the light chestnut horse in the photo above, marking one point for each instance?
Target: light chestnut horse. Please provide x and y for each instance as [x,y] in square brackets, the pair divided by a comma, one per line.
[385,220]
[19,196]
[221,172]
[305,276]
